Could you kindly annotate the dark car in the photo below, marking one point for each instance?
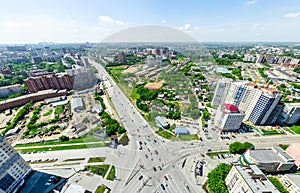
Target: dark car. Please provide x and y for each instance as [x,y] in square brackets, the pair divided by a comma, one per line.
[154,168]
[141,177]
[162,186]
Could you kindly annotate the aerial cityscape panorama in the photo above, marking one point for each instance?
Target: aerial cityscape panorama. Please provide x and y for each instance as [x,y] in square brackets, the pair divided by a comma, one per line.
[130,96]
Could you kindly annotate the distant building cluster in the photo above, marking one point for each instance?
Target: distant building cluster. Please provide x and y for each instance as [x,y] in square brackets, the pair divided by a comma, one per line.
[259,58]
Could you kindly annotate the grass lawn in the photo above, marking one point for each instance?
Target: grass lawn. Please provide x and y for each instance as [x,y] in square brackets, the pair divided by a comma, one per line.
[295,128]
[100,189]
[96,159]
[57,148]
[111,174]
[74,159]
[166,134]
[188,137]
[88,138]
[100,170]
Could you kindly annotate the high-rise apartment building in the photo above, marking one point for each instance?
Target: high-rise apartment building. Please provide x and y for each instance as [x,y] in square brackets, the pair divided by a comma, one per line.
[13,168]
[228,118]
[221,91]
[260,104]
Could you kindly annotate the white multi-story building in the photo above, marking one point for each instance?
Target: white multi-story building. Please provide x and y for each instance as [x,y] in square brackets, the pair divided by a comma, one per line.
[290,113]
[13,168]
[228,118]
[221,91]
[260,104]
[291,182]
[248,179]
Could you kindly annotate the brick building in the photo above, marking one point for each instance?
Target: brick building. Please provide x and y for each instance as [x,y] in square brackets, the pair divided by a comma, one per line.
[55,81]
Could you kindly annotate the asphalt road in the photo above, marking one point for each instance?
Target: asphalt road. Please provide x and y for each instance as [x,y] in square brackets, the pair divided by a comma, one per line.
[136,162]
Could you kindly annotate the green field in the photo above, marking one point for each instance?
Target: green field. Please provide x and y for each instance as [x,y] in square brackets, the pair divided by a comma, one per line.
[100,170]
[188,137]
[88,138]
[96,159]
[111,174]
[166,134]
[100,189]
[295,128]
[57,148]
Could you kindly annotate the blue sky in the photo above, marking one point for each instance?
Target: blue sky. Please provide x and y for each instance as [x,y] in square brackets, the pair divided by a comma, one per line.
[32,21]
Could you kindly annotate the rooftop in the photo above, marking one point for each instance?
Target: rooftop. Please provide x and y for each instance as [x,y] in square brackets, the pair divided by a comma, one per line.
[269,155]
[294,178]
[256,179]
[74,188]
[231,108]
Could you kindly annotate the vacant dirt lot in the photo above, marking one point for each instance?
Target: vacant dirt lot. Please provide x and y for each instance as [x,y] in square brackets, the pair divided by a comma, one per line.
[154,85]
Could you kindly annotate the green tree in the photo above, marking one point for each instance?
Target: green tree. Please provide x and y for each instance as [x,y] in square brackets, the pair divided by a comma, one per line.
[63,138]
[216,178]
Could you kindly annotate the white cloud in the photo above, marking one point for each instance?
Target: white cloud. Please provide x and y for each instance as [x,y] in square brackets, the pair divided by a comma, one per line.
[186,26]
[255,25]
[164,21]
[292,15]
[108,20]
[251,2]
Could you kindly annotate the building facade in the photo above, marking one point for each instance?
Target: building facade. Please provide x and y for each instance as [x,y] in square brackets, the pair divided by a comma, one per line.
[83,77]
[290,113]
[13,168]
[260,104]
[8,90]
[291,182]
[248,179]
[270,160]
[228,118]
[55,81]
[221,91]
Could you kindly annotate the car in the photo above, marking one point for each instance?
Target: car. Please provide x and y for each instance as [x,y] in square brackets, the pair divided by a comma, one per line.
[154,168]
[159,167]
[141,177]
[173,166]
[202,162]
[52,177]
[145,143]
[156,152]
[209,150]
[47,184]
[165,177]
[162,186]
[146,156]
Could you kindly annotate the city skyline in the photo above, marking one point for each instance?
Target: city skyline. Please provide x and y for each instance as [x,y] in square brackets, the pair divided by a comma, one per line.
[207,21]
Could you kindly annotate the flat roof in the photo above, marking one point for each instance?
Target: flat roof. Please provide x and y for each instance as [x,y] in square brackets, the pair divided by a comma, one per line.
[256,179]
[295,178]
[268,155]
